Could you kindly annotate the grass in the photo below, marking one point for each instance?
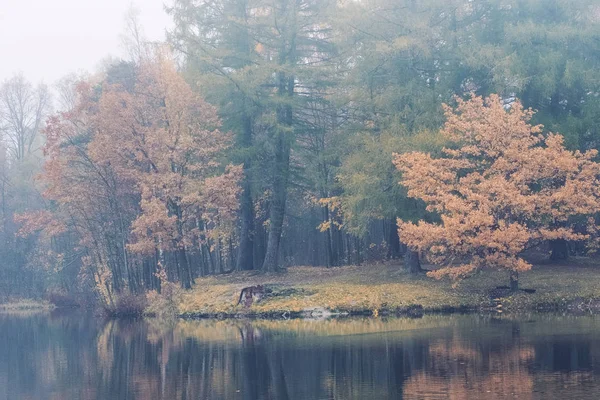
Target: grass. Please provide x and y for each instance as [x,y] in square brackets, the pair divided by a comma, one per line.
[376,288]
[25,305]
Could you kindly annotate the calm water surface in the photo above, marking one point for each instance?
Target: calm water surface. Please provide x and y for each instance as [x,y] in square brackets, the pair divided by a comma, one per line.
[70,356]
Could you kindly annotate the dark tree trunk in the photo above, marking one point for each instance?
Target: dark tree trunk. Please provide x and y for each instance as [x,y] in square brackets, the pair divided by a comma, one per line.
[412,263]
[277,204]
[185,274]
[393,240]
[338,246]
[328,243]
[245,257]
[348,249]
[514,281]
[560,250]
[219,251]
[260,240]
[210,258]
[183,266]
[205,259]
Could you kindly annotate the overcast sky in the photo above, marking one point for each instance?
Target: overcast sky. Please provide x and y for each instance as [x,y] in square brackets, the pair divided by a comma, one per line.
[47,39]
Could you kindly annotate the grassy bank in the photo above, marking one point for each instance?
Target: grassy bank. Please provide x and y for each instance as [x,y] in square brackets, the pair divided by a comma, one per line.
[25,305]
[378,289]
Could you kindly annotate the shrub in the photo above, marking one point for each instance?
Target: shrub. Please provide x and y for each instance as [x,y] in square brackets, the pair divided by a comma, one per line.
[163,304]
[127,305]
[62,299]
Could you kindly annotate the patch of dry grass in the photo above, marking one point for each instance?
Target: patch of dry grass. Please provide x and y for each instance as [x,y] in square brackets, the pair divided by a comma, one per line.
[377,287]
[25,305]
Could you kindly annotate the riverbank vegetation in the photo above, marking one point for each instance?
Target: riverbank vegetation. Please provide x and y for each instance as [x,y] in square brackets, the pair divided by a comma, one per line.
[341,137]
[18,305]
[388,289]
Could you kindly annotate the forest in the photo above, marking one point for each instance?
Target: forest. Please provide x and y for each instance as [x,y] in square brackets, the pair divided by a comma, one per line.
[265,135]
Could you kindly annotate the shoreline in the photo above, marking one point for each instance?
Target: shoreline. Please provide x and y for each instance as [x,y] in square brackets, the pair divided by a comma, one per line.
[570,307]
[387,290]
[378,290]
[26,305]
[575,306]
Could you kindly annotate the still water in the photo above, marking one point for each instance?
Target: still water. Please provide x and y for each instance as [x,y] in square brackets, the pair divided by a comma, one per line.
[70,356]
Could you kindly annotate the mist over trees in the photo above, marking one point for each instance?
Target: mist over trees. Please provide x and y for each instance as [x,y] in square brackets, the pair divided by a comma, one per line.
[23,110]
[262,136]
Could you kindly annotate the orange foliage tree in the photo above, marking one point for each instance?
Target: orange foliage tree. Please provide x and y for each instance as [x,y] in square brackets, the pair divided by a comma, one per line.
[134,171]
[91,204]
[164,138]
[500,188]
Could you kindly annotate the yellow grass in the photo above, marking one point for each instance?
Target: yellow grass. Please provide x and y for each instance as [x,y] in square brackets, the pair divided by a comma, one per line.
[25,305]
[387,287]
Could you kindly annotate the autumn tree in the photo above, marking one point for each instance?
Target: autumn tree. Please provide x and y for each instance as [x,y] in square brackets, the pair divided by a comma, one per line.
[133,171]
[89,208]
[165,139]
[499,188]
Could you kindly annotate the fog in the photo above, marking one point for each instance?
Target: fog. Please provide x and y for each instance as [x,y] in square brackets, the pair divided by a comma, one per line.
[46,40]
[281,159]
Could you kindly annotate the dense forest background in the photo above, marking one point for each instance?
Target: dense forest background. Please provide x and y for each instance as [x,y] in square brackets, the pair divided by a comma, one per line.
[261,135]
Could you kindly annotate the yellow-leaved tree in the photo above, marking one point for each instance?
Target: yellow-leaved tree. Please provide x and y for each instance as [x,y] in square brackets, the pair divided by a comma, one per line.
[500,188]
[165,139]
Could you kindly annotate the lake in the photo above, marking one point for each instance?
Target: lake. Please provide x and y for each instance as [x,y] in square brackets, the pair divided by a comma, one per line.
[66,355]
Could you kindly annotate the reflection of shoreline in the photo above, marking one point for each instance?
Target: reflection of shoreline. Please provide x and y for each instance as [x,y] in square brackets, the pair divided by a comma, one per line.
[425,326]
[436,357]
[228,330]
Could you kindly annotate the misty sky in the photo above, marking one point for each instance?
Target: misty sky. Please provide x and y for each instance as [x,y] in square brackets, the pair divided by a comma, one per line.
[47,39]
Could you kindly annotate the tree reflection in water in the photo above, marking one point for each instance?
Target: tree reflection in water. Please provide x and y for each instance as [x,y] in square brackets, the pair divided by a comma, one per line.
[67,356]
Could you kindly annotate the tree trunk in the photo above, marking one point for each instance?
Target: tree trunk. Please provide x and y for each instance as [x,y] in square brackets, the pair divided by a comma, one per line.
[184,269]
[393,241]
[245,257]
[222,256]
[260,240]
[514,281]
[412,263]
[283,133]
[358,255]
[211,261]
[328,242]
[277,204]
[560,250]
[339,246]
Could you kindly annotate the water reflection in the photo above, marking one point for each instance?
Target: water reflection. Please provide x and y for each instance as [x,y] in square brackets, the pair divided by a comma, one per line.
[68,356]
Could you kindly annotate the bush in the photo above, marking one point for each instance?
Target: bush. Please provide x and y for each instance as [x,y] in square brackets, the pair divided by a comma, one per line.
[127,305]
[164,304]
[62,299]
